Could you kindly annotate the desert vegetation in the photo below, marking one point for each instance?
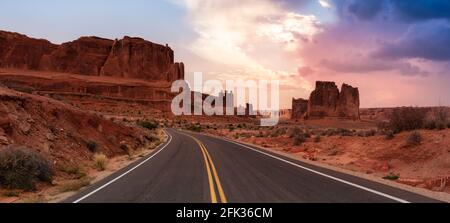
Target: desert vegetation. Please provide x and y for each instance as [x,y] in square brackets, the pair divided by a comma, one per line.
[22,168]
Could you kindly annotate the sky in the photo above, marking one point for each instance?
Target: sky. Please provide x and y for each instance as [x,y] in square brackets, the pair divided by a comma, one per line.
[396,51]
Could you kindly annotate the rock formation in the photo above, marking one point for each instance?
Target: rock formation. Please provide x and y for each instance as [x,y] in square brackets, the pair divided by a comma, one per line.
[327,101]
[19,51]
[348,104]
[127,58]
[299,108]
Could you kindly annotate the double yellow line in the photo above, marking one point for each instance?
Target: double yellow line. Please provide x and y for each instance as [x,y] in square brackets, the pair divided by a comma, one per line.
[213,177]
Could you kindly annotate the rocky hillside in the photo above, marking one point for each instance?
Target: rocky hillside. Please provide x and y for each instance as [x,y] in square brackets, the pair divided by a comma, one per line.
[61,132]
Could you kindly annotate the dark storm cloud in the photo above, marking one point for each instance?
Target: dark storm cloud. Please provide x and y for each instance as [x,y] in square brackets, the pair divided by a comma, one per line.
[400,10]
[367,9]
[417,10]
[429,40]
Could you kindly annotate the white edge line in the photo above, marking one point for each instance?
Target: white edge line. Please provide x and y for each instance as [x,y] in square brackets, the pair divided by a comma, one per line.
[322,174]
[117,178]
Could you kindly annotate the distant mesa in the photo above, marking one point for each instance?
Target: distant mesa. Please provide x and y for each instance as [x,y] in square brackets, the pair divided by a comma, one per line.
[327,101]
[93,56]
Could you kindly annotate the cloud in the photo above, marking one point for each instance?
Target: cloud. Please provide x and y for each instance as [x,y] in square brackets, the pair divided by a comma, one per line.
[429,40]
[305,71]
[419,10]
[325,3]
[369,65]
[395,10]
[252,39]
[367,9]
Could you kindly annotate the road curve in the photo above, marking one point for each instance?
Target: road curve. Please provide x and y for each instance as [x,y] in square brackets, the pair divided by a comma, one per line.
[195,168]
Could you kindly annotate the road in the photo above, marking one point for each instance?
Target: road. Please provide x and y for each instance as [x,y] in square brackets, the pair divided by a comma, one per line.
[194,168]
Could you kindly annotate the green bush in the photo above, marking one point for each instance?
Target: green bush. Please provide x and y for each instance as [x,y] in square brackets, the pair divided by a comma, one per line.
[391,176]
[21,168]
[195,128]
[150,125]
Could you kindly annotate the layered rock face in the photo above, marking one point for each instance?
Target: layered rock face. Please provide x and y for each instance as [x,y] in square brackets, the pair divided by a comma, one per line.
[327,101]
[86,56]
[127,58]
[348,104]
[323,100]
[19,51]
[137,58]
[299,108]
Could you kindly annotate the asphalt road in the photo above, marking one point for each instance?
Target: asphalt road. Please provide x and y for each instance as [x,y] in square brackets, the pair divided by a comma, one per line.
[194,168]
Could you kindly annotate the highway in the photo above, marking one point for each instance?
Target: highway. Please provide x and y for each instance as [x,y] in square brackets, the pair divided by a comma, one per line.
[195,168]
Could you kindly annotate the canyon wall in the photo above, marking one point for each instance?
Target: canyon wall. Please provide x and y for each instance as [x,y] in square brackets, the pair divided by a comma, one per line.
[94,56]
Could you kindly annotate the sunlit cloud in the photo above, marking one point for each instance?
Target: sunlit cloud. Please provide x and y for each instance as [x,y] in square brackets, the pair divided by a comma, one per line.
[324,3]
[254,39]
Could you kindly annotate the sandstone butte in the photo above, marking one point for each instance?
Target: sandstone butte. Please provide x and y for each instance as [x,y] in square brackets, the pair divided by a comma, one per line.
[327,101]
[129,68]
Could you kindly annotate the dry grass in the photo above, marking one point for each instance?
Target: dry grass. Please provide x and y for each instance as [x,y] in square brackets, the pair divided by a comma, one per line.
[100,162]
[75,185]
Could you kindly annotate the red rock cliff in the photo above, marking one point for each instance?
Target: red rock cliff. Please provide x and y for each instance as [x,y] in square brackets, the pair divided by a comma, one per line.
[128,57]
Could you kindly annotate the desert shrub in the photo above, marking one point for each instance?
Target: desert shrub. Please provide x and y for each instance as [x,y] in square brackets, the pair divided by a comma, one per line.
[74,185]
[391,176]
[21,168]
[430,124]
[407,118]
[11,193]
[414,139]
[295,132]
[278,132]
[345,132]
[195,128]
[317,139]
[371,132]
[150,125]
[100,161]
[299,140]
[390,135]
[441,125]
[74,170]
[260,134]
[92,146]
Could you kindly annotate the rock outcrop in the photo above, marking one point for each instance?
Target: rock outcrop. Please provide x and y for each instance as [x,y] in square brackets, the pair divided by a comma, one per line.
[127,58]
[299,108]
[327,101]
[19,51]
[348,104]
[323,100]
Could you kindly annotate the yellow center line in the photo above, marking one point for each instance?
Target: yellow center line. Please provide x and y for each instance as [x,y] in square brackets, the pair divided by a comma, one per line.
[216,177]
[210,165]
[210,179]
